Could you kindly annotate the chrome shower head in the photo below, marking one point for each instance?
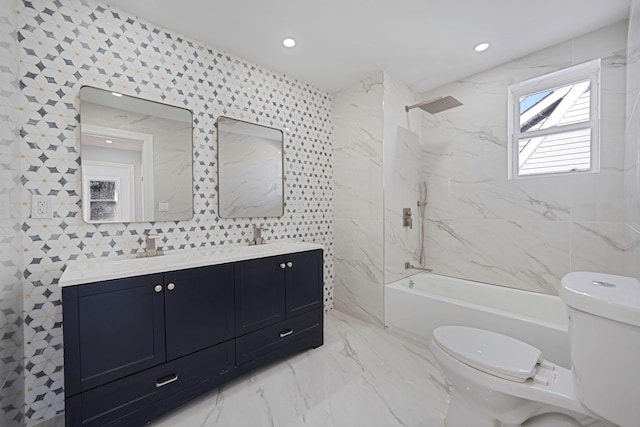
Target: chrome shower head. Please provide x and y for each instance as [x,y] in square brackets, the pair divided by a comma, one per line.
[436,105]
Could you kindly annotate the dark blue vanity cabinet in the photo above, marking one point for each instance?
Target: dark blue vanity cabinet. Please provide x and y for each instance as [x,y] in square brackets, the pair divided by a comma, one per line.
[137,347]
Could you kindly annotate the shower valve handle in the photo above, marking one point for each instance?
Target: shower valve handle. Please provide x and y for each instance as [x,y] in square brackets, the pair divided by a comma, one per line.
[407,220]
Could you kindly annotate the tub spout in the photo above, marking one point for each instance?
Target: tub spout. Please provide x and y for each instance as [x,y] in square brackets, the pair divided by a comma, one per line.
[409,266]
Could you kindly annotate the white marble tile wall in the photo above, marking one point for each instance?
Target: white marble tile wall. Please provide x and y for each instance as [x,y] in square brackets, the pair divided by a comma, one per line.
[358,200]
[632,144]
[402,176]
[11,297]
[70,43]
[377,173]
[527,233]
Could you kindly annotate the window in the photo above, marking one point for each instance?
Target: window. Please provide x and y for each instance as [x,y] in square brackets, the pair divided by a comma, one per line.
[107,189]
[553,123]
[103,200]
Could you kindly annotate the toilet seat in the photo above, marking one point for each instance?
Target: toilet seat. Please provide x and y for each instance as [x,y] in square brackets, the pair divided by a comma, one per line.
[495,354]
[558,391]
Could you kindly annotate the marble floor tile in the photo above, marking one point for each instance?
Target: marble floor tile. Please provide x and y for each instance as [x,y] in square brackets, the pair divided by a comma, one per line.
[361,376]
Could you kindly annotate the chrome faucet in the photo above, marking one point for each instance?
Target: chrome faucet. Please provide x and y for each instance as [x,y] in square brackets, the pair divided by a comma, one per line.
[150,243]
[257,236]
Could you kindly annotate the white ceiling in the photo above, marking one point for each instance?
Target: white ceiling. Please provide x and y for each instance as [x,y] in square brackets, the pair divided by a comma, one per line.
[425,43]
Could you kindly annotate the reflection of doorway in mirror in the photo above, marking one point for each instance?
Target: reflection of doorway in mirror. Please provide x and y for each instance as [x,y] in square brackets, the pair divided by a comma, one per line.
[108,191]
[125,147]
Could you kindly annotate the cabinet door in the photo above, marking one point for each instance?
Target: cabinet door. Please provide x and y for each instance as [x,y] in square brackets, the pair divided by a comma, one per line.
[112,329]
[304,282]
[259,293]
[199,309]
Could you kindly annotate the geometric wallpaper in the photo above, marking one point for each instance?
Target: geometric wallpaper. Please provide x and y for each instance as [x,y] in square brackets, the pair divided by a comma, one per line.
[64,44]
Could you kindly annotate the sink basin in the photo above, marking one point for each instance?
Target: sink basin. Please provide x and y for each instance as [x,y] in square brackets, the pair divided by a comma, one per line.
[146,263]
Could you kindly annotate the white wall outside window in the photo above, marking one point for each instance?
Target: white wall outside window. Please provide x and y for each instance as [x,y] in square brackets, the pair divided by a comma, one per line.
[566,140]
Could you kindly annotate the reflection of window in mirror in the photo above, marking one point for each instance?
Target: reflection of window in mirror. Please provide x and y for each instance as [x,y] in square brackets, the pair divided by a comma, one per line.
[554,123]
[103,200]
[108,189]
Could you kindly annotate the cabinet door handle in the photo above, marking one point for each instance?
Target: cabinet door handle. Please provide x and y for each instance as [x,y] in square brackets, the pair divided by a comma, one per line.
[286,333]
[171,286]
[283,265]
[158,288]
[289,264]
[166,380]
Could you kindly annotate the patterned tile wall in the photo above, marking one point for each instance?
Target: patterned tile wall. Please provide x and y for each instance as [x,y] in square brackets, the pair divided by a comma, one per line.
[11,331]
[68,43]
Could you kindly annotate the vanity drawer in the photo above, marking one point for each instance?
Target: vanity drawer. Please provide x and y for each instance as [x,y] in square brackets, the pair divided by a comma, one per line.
[106,404]
[260,342]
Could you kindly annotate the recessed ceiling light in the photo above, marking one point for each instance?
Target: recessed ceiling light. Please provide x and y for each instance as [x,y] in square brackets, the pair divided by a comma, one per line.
[481,47]
[289,42]
[108,141]
[116,94]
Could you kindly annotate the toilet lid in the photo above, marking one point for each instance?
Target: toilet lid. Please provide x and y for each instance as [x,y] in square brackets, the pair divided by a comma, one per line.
[489,352]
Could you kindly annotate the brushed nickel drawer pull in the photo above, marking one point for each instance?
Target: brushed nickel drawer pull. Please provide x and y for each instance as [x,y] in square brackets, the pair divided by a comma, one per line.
[286,333]
[158,288]
[289,264]
[160,382]
[283,265]
[171,286]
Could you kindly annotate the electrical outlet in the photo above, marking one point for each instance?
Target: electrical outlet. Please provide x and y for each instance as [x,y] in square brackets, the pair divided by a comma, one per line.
[163,207]
[41,207]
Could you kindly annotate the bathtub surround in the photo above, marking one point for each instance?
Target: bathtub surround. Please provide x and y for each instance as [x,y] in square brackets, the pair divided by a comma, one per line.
[11,298]
[376,174]
[70,43]
[632,144]
[524,233]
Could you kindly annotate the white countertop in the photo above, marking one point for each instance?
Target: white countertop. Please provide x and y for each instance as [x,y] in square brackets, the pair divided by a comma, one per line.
[99,270]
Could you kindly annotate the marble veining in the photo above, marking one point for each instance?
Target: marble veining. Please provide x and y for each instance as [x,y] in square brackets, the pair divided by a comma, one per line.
[361,376]
[402,177]
[525,233]
[358,199]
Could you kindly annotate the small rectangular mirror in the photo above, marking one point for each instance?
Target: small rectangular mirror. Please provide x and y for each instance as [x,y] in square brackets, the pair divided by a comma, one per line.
[250,170]
[137,159]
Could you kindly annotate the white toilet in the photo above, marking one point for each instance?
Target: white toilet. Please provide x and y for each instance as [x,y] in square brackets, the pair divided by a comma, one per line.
[499,381]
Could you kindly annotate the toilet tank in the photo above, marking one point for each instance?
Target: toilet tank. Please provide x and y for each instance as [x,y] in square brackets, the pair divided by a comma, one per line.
[604,337]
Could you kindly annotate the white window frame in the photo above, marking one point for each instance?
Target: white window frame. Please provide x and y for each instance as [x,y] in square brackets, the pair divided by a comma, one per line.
[588,70]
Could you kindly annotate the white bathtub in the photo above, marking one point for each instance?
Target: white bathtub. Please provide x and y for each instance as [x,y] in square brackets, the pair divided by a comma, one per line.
[539,319]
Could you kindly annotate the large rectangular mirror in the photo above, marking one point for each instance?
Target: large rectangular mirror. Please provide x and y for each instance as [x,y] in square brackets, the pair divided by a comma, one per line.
[137,159]
[250,170]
